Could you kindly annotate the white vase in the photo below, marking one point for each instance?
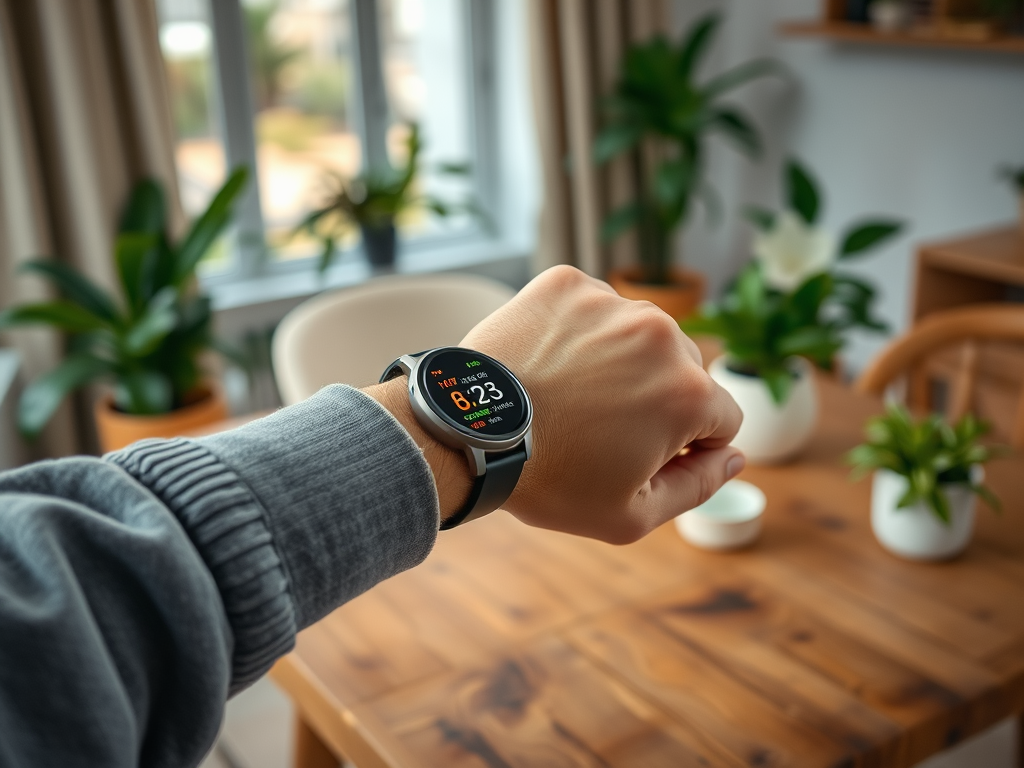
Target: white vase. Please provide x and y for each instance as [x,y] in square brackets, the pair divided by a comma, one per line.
[771,433]
[889,16]
[916,532]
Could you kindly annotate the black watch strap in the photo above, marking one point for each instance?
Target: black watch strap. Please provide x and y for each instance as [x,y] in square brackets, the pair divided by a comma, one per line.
[491,489]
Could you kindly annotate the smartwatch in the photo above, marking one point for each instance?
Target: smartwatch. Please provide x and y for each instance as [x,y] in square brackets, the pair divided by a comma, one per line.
[471,402]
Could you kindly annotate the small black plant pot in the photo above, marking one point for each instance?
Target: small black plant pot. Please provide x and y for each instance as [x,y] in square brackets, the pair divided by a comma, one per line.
[380,245]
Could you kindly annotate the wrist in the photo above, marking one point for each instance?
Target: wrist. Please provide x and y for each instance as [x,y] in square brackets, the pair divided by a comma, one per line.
[449,467]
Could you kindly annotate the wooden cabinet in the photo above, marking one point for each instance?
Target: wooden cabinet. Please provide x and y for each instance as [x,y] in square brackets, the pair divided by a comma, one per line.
[982,267]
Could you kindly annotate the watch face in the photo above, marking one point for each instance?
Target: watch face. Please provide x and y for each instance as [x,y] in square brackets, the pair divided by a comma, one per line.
[473,392]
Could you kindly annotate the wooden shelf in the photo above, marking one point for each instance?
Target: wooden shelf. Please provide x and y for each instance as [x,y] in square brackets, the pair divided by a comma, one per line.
[849,32]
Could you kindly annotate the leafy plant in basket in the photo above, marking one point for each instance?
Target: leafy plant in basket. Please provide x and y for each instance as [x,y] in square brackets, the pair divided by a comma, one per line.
[789,302]
[148,340]
[659,104]
[930,454]
[373,201]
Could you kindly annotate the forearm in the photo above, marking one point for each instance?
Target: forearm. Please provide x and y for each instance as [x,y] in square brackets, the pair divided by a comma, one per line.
[136,592]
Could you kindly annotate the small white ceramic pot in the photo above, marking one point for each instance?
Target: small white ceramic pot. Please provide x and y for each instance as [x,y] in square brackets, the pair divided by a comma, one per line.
[916,532]
[728,520]
[889,15]
[771,433]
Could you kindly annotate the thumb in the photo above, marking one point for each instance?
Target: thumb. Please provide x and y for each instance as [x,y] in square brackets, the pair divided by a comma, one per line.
[689,480]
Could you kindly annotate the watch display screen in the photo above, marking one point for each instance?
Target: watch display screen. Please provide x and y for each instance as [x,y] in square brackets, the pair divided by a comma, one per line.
[473,392]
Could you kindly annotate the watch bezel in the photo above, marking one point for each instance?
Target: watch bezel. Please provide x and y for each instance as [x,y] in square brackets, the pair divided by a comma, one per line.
[440,424]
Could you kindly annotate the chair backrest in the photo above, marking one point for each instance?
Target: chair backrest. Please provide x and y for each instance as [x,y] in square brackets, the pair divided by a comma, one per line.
[349,336]
[912,358]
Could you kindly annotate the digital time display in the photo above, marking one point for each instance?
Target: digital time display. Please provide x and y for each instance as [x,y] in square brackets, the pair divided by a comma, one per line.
[473,392]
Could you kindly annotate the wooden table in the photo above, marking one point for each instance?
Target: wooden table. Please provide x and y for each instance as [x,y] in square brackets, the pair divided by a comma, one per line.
[513,647]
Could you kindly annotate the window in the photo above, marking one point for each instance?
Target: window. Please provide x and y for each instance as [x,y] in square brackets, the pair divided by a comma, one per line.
[300,88]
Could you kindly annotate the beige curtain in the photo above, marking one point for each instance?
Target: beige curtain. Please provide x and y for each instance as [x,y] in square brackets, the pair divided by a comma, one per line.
[576,49]
[84,113]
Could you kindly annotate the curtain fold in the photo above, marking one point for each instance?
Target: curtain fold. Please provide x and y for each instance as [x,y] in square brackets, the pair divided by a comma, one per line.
[576,47]
[84,114]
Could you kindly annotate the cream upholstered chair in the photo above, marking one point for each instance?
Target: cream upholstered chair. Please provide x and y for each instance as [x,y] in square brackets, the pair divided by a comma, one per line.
[349,336]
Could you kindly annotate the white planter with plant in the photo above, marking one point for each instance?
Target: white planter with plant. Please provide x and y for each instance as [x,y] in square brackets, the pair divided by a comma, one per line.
[771,432]
[927,477]
[785,314]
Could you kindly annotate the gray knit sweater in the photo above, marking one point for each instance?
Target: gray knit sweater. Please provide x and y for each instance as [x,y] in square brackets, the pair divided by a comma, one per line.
[139,591]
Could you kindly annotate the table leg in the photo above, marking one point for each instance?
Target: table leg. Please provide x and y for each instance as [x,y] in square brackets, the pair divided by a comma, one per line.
[310,751]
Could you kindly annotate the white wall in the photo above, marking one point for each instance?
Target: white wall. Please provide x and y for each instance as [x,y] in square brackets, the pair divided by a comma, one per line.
[915,134]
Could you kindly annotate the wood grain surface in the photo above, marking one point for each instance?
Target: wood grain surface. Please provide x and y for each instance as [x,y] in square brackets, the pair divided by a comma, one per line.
[514,647]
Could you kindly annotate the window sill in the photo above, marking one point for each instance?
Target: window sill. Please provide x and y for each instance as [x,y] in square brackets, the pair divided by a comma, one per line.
[231,294]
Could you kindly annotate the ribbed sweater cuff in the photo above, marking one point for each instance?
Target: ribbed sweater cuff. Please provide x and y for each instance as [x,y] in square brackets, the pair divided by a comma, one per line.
[229,529]
[295,513]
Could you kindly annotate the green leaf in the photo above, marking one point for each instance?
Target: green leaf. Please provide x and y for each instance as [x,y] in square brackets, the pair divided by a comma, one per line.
[131,252]
[733,124]
[866,236]
[143,393]
[43,396]
[761,218]
[809,297]
[145,210]
[455,169]
[802,191]
[779,383]
[208,226]
[988,496]
[750,290]
[60,314]
[619,220]
[156,322]
[696,44]
[740,75]
[326,255]
[614,140]
[74,287]
[702,325]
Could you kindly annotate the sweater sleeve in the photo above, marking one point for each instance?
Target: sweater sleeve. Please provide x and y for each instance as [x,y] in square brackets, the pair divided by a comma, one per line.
[138,591]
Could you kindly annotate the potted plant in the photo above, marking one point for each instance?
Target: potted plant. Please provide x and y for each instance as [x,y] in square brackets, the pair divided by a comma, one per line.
[927,474]
[373,201]
[785,314]
[147,342]
[659,105]
[1016,178]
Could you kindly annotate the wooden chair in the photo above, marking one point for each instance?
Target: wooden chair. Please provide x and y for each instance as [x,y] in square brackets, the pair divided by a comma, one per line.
[349,336]
[969,328]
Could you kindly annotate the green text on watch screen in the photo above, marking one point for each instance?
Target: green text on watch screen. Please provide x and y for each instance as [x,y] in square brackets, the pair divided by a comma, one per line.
[468,388]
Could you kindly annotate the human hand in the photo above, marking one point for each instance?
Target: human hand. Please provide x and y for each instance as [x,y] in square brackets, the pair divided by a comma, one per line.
[618,391]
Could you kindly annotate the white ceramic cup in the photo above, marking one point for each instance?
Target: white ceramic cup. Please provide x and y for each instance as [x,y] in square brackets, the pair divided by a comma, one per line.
[728,520]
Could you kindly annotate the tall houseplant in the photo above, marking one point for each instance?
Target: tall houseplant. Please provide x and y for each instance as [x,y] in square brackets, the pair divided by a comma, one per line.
[927,474]
[373,201]
[659,106]
[789,311]
[146,342]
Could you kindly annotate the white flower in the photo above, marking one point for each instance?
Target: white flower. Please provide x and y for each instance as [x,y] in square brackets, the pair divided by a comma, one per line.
[791,251]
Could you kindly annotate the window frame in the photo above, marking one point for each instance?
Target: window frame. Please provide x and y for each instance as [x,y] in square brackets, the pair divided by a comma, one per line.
[233,101]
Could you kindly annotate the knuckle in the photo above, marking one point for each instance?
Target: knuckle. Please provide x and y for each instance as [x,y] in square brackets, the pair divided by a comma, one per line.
[563,276]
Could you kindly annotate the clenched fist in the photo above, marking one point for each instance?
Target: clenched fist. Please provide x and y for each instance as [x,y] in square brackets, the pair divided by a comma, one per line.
[618,392]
